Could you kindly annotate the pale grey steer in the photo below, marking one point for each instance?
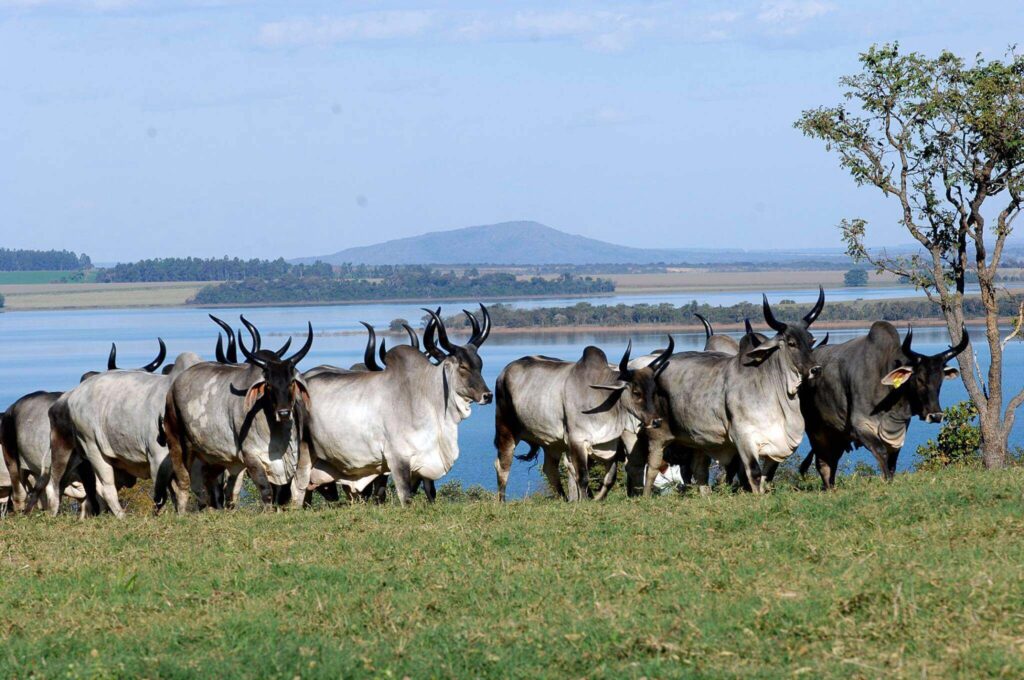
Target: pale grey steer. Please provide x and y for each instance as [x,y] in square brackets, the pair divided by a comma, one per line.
[744,405]
[578,410]
[113,420]
[403,420]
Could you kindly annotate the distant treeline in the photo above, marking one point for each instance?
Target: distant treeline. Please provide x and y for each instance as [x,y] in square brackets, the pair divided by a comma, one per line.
[208,269]
[586,314]
[419,283]
[12,260]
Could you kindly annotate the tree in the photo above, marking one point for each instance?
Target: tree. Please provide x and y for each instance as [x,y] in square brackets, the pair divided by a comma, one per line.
[958,440]
[946,139]
[856,277]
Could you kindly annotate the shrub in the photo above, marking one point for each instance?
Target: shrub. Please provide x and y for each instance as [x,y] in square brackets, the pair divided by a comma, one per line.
[958,443]
[856,277]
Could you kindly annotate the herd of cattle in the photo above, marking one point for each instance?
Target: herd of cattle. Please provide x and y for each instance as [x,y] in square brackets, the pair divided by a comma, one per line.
[196,426]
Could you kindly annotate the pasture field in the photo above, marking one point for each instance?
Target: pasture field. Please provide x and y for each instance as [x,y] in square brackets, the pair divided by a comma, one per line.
[38,277]
[923,578]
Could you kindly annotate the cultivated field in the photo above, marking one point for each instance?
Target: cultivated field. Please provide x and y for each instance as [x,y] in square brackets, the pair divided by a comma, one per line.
[683,280]
[921,578]
[97,295]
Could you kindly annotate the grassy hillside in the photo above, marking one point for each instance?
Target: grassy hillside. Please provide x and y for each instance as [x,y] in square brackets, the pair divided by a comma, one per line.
[923,578]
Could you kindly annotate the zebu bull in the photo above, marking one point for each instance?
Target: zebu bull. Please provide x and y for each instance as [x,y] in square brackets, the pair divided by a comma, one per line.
[574,409]
[240,417]
[868,391]
[113,420]
[744,405]
[26,441]
[403,420]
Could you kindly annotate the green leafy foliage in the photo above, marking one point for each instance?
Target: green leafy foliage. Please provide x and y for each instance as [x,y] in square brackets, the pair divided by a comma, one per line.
[16,260]
[958,442]
[856,277]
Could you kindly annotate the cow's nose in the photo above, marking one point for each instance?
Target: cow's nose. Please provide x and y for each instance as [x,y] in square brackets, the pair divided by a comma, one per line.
[486,398]
[284,414]
[933,417]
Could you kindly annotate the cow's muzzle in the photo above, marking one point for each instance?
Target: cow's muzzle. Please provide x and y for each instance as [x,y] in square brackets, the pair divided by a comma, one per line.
[486,398]
[933,417]
[283,415]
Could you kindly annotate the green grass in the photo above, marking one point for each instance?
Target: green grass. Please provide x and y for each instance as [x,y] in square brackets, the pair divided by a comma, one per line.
[921,578]
[9,278]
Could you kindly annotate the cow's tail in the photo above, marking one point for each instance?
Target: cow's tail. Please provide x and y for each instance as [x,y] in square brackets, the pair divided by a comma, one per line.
[506,420]
[9,436]
[531,455]
[806,464]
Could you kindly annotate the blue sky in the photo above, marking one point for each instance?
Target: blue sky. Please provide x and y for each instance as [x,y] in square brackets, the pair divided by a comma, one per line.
[135,128]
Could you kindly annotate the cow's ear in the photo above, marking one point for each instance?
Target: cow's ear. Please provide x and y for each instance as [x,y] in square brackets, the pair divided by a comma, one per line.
[254,393]
[898,376]
[760,354]
[949,372]
[300,391]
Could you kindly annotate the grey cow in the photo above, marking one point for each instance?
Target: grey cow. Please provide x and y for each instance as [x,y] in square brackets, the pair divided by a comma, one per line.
[113,421]
[868,391]
[234,418]
[403,420]
[26,436]
[744,405]
[578,410]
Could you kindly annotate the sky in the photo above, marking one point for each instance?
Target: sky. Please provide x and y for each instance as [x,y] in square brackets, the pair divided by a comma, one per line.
[145,128]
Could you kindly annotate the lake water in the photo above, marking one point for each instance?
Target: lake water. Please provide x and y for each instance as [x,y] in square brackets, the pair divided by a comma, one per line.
[50,350]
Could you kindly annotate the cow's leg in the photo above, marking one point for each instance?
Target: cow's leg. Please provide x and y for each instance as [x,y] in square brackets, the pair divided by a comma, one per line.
[17,493]
[552,459]
[380,490]
[893,456]
[402,476]
[259,478]
[62,448]
[701,466]
[655,458]
[429,490]
[752,469]
[106,482]
[769,469]
[213,483]
[826,463]
[636,460]
[881,454]
[578,459]
[180,456]
[505,442]
[233,484]
[609,480]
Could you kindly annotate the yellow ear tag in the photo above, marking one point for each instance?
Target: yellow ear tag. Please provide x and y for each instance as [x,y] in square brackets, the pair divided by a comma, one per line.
[897,381]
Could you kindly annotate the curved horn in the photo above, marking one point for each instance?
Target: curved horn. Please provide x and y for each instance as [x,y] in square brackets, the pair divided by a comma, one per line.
[816,309]
[907,340]
[218,351]
[823,342]
[664,356]
[160,356]
[486,332]
[304,350]
[442,333]
[769,318]
[708,330]
[257,341]
[414,339]
[428,340]
[284,348]
[748,328]
[476,327]
[948,354]
[624,362]
[232,354]
[371,344]
[250,356]
[382,351]
[112,358]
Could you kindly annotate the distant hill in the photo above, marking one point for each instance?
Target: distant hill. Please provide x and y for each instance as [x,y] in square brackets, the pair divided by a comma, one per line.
[532,243]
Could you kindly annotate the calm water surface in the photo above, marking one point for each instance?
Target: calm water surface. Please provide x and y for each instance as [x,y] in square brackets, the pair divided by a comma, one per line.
[50,350]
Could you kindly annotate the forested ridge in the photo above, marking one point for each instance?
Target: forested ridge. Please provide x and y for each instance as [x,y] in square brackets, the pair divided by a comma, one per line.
[18,260]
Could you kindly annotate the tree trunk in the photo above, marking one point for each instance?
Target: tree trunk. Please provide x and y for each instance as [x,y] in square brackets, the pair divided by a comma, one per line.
[993,440]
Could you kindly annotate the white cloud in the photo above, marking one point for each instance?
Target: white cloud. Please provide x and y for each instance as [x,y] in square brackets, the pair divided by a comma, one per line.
[602,116]
[368,26]
[787,13]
